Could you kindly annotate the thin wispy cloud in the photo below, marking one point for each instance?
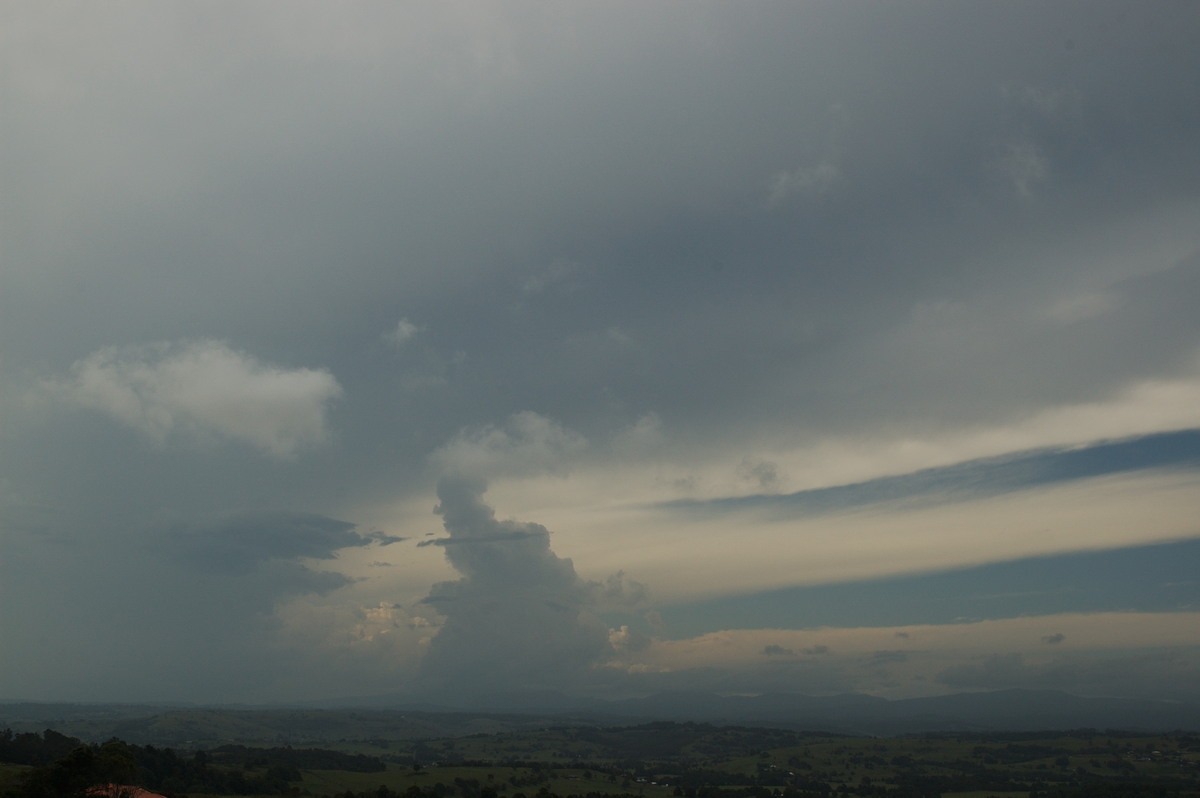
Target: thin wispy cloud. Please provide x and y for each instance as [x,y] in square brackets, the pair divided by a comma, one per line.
[401,334]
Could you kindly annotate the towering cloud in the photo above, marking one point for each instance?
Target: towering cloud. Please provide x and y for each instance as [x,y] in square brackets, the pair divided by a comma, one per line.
[525,443]
[518,618]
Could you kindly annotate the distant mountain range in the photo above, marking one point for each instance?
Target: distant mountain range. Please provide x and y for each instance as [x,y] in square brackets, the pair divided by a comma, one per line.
[1006,710]
[1003,710]
[393,717]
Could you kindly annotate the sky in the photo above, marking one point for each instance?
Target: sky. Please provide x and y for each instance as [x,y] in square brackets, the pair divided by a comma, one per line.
[434,350]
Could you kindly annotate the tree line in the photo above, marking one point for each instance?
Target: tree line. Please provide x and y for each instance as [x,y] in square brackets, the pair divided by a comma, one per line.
[65,767]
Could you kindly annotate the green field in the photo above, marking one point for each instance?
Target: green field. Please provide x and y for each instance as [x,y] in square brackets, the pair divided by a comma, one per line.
[661,760]
[684,760]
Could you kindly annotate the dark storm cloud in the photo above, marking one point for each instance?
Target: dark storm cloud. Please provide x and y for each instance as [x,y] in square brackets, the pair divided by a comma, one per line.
[238,542]
[195,596]
[1136,578]
[519,618]
[641,182]
[513,535]
[980,478]
[508,232]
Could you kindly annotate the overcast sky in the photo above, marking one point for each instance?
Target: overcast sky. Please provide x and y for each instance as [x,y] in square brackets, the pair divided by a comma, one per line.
[420,349]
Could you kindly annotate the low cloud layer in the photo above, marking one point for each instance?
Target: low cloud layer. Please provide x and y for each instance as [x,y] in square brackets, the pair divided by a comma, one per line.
[241,541]
[194,596]
[1154,656]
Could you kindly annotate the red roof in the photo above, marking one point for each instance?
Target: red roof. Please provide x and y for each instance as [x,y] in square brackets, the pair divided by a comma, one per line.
[122,791]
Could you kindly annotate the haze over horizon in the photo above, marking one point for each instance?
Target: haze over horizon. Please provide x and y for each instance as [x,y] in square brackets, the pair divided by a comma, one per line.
[441,349]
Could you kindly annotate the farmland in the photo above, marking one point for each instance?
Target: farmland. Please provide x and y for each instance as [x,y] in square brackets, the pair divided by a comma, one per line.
[670,760]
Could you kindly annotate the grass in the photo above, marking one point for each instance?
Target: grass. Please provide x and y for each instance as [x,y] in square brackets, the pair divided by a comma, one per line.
[10,772]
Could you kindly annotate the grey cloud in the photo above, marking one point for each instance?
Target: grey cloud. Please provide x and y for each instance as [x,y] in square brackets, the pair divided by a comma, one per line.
[804,180]
[800,294]
[525,443]
[402,333]
[982,477]
[618,591]
[241,541]
[1054,639]
[743,224]
[203,388]
[201,595]
[628,641]
[773,650]
[519,617]
[763,473]
[500,537]
[888,657]
[996,672]
[772,674]
[1025,165]
[292,579]
[1170,674]
[560,275]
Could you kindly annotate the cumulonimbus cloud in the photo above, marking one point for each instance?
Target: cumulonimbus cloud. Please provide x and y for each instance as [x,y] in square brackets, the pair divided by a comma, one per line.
[204,389]
[519,617]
